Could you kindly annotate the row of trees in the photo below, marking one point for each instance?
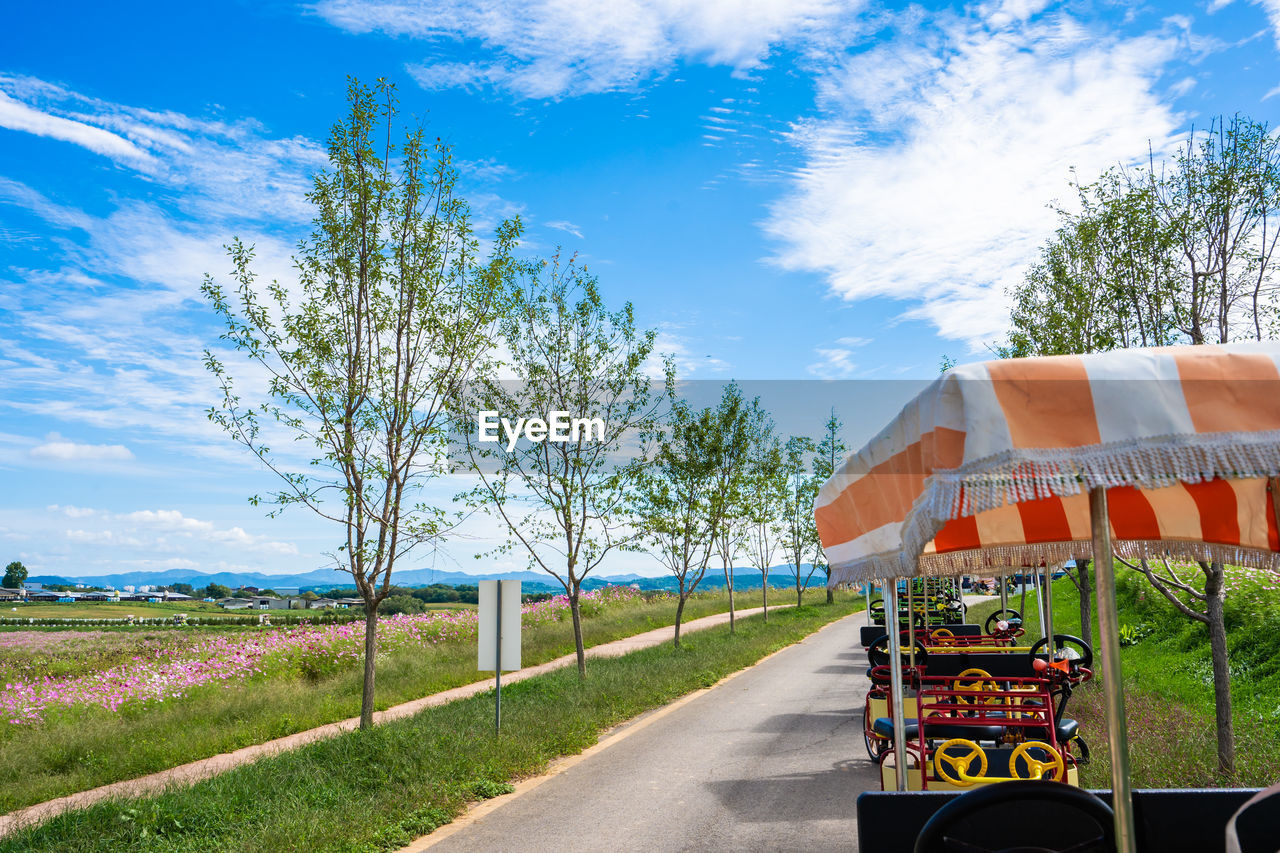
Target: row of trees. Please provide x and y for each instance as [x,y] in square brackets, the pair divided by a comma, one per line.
[402,326]
[1178,251]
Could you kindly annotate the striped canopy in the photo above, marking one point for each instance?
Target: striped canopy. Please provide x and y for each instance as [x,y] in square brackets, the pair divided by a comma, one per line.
[991,465]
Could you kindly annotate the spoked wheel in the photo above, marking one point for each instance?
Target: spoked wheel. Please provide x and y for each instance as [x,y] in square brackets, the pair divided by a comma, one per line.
[877,745]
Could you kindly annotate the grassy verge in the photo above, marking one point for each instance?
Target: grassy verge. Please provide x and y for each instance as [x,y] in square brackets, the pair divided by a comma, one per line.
[1168,688]
[377,790]
[83,748]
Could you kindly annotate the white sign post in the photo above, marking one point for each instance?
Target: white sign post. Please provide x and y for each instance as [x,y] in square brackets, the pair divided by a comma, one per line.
[499,634]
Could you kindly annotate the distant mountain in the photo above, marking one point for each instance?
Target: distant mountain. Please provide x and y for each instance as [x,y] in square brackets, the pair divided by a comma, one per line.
[325,579]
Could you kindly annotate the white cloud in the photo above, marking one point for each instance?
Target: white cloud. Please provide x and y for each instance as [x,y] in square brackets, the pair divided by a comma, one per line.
[929,172]
[174,522]
[552,48]
[671,343]
[73,511]
[567,227]
[218,168]
[18,116]
[836,363]
[58,449]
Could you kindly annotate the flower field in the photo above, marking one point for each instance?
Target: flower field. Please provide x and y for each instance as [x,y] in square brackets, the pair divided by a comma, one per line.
[45,671]
[94,706]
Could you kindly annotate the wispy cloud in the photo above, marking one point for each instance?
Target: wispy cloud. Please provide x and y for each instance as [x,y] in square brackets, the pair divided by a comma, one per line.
[567,227]
[18,116]
[554,48]
[835,363]
[930,168]
[224,169]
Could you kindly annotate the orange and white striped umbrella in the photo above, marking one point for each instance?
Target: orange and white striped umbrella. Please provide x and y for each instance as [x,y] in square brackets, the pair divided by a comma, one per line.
[991,465]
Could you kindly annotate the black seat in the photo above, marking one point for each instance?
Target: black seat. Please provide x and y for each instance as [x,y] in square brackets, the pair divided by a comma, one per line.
[883,726]
[1067,729]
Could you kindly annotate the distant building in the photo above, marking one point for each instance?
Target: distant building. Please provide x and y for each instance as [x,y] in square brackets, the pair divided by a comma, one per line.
[285,591]
[32,586]
[51,595]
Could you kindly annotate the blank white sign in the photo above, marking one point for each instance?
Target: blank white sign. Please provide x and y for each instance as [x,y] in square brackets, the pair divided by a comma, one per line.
[489,625]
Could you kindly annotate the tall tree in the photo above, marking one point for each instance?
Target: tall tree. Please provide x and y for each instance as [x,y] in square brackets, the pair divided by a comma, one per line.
[564,502]
[735,423]
[14,575]
[829,453]
[675,505]
[391,311]
[1178,252]
[799,529]
[1205,606]
[1218,201]
[767,484]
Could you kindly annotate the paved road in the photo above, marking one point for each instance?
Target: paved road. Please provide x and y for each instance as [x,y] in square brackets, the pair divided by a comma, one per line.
[770,760]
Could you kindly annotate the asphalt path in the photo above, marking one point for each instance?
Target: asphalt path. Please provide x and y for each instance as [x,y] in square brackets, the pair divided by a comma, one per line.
[772,759]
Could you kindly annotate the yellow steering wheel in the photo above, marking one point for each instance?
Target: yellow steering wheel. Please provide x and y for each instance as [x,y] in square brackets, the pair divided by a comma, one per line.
[943,637]
[946,765]
[1036,769]
[972,679]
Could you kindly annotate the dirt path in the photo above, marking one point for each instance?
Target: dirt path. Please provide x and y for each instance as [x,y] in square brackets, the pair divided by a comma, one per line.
[187,774]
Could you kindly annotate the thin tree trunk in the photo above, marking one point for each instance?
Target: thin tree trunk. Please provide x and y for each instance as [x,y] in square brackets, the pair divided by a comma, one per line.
[370,661]
[679,614]
[831,595]
[728,579]
[1086,607]
[764,593]
[1215,592]
[577,630]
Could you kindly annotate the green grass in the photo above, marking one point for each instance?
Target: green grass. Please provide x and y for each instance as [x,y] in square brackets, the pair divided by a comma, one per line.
[83,748]
[377,790]
[1169,706]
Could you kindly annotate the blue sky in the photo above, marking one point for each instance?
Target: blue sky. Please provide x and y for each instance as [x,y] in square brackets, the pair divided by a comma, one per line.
[785,189]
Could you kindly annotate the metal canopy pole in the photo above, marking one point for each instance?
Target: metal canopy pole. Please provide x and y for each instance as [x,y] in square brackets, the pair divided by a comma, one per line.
[911,625]
[1112,683]
[897,712]
[1038,588]
[1048,606]
[868,587]
[1004,592]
